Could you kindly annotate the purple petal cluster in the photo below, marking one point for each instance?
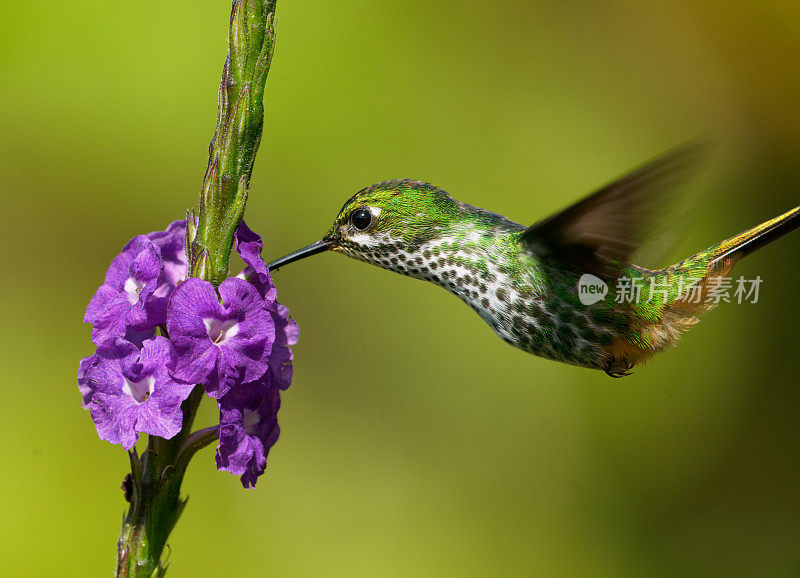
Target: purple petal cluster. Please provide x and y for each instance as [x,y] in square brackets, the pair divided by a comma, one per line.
[159,334]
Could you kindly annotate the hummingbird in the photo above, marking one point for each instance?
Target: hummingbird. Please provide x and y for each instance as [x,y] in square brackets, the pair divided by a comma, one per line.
[528,282]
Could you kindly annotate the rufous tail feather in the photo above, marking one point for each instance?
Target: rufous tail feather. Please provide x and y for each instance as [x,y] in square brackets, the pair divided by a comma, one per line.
[692,284]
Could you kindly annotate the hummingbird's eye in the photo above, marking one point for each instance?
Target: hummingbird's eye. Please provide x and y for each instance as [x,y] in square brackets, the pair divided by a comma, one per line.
[361,219]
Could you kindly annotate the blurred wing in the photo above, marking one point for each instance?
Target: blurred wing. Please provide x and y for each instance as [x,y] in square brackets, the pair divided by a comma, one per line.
[600,233]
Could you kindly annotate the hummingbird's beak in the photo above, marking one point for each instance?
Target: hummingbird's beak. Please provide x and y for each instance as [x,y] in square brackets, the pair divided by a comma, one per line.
[312,249]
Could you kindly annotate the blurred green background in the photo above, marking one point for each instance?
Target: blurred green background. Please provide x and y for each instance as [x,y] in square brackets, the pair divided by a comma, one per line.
[414,442]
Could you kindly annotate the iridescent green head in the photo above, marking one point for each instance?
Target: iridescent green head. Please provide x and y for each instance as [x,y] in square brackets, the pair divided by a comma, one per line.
[401,211]
[404,211]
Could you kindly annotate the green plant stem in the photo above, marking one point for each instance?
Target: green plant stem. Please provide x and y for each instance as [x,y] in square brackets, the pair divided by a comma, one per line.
[240,122]
[156,505]
[155,481]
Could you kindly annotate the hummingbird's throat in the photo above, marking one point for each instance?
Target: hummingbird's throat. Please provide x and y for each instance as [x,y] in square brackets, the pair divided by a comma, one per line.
[464,266]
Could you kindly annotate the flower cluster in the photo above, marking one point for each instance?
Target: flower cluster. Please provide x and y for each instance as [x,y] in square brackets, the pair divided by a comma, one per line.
[159,334]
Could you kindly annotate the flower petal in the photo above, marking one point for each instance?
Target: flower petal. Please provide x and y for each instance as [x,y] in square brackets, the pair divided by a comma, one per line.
[248,429]
[249,245]
[84,388]
[171,244]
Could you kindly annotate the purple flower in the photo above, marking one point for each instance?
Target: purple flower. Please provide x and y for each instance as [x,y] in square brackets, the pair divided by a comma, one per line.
[219,344]
[248,428]
[171,243]
[132,392]
[125,300]
[248,245]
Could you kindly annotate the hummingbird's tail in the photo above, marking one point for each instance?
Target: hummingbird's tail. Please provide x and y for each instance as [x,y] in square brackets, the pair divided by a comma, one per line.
[700,274]
[678,295]
[702,281]
[727,253]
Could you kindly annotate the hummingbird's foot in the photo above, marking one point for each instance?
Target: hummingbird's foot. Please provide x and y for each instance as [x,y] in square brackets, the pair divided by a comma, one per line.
[618,368]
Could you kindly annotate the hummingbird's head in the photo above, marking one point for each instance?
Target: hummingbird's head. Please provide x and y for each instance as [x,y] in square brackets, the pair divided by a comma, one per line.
[385,218]
[399,212]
